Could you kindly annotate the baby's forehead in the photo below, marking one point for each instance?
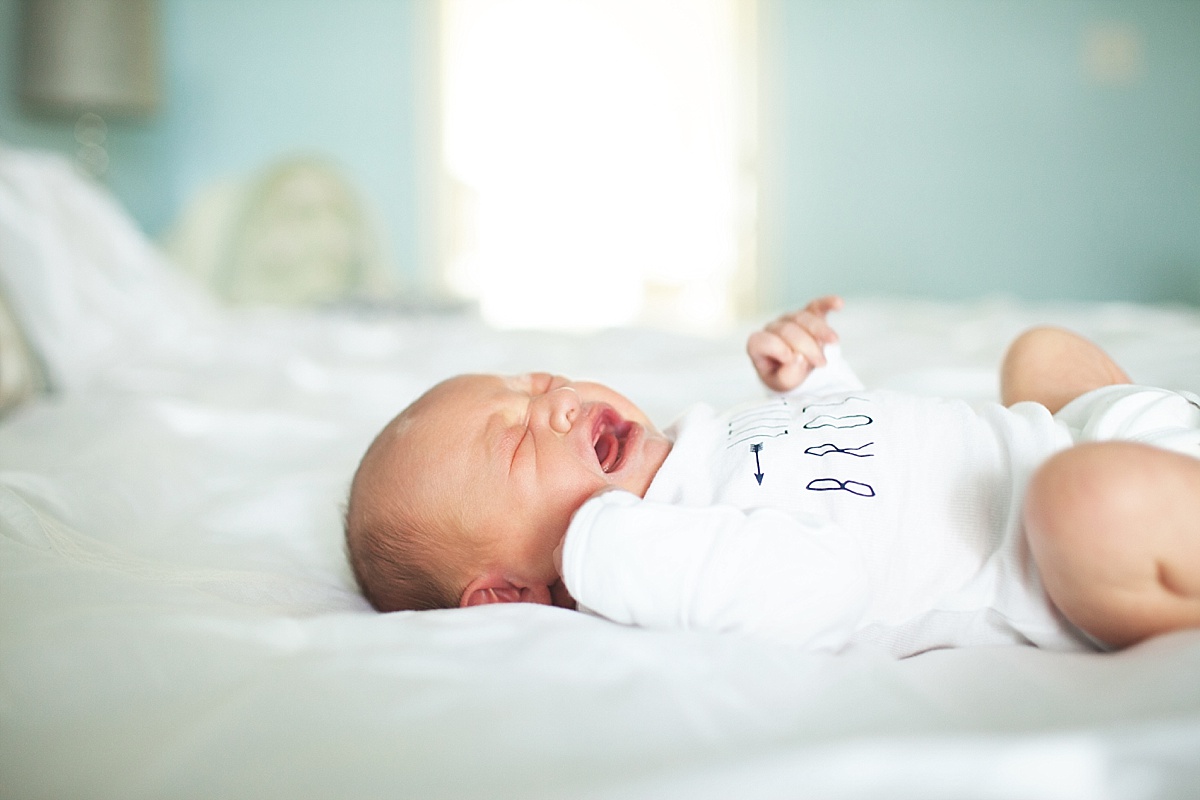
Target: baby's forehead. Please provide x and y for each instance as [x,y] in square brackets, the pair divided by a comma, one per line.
[449,400]
[432,445]
[482,386]
[450,415]
[468,388]
[439,417]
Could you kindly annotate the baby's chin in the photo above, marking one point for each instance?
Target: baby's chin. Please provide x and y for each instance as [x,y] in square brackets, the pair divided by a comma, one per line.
[640,474]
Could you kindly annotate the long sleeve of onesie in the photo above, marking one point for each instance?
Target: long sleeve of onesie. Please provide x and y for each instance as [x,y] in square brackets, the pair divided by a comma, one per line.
[767,572]
[835,376]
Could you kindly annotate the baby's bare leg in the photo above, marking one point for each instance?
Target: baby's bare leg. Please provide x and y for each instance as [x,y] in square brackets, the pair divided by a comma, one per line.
[1115,530]
[1053,366]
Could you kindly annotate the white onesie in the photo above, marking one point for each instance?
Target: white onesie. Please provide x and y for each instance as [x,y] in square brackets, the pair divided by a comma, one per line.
[837,515]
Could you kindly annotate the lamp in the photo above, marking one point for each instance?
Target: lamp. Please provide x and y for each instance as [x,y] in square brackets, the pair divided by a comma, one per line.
[98,56]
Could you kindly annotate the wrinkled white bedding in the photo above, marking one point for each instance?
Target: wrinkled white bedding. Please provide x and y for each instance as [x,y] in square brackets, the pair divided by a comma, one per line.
[177,619]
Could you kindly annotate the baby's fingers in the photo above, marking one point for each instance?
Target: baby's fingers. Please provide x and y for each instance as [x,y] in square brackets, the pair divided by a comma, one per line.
[823,305]
[804,334]
[777,364]
[813,322]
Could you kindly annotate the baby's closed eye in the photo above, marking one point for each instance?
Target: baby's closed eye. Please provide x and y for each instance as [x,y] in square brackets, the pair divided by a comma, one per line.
[514,440]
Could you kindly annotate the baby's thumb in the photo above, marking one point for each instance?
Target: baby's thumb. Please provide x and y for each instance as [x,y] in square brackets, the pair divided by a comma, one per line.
[790,375]
[768,370]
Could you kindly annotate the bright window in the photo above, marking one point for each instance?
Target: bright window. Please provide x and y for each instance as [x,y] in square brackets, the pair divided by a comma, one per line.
[599,155]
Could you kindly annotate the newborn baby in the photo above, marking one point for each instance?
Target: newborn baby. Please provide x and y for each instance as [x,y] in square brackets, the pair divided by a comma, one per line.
[824,516]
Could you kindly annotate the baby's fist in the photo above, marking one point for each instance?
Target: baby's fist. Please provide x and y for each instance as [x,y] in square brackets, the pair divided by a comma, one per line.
[786,350]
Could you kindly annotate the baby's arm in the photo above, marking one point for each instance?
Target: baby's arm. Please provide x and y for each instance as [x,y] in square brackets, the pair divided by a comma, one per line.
[766,572]
[788,349]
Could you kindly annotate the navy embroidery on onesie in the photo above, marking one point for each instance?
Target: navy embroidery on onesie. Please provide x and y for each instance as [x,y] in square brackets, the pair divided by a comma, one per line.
[835,422]
[835,485]
[827,448]
[756,448]
[827,421]
[841,402]
[753,428]
[765,422]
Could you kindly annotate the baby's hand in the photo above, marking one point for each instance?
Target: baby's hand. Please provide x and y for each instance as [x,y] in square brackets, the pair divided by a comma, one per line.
[786,350]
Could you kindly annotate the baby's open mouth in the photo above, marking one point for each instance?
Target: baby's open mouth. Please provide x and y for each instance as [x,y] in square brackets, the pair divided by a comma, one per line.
[608,440]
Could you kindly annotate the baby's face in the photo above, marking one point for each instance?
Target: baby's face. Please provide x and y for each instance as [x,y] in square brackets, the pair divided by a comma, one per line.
[518,455]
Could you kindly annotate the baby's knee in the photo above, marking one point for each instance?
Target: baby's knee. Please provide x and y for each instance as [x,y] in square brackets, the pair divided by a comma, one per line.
[1029,369]
[1080,492]
[1035,344]
[1086,510]
[1112,527]
[1103,479]
[1077,523]
[1053,366]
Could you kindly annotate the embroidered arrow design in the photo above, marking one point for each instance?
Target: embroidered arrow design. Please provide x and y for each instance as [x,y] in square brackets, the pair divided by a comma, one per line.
[756,449]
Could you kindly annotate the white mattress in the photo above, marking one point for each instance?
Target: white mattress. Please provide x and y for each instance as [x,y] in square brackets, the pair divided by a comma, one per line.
[177,618]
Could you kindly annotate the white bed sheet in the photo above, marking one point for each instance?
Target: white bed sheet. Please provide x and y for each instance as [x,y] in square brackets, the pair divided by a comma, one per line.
[177,618]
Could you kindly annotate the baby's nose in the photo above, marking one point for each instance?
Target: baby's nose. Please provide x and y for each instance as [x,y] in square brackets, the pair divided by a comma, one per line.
[563,405]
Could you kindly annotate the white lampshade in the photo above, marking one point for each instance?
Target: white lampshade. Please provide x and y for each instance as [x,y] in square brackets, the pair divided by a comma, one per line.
[97,55]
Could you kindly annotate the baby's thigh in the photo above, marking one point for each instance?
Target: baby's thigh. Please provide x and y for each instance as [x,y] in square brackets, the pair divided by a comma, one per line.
[1115,530]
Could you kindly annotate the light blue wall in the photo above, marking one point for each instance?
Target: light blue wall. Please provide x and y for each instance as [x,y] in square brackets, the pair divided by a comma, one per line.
[955,148]
[251,80]
[945,148]
[247,82]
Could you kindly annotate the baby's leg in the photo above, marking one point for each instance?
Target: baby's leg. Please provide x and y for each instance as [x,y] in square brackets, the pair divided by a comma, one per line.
[1053,366]
[1115,530]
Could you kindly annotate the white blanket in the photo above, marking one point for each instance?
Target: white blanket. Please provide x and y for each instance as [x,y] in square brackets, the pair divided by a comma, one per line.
[177,618]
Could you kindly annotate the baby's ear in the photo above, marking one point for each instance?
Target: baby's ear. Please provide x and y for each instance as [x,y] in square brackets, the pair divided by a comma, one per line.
[493,588]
